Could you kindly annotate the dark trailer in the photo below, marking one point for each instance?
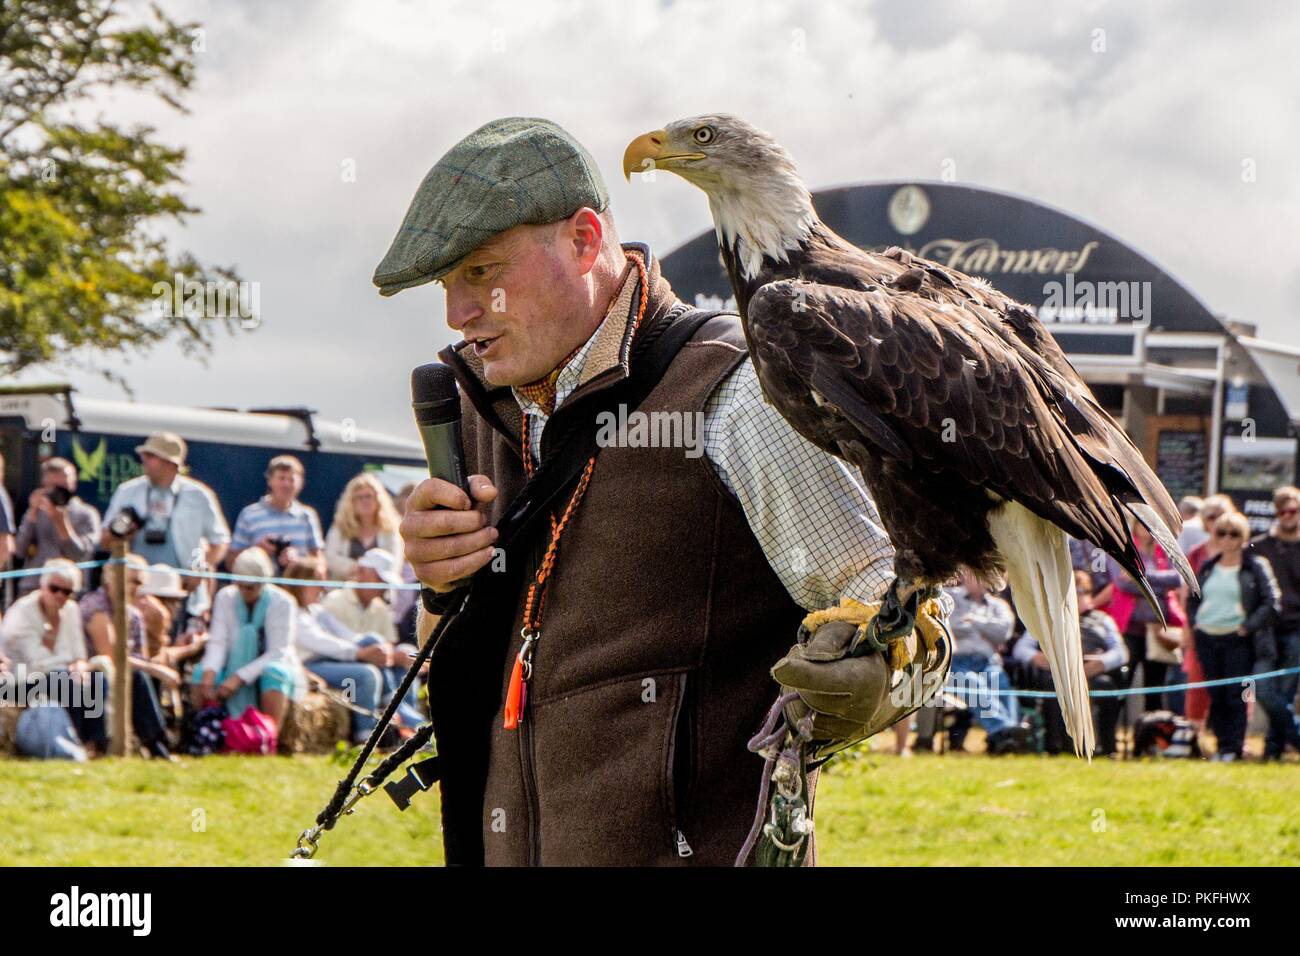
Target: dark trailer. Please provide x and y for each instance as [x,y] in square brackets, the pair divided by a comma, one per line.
[228,449]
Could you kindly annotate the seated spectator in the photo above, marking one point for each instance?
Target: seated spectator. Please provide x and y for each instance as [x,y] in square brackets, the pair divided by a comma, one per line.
[57,524]
[279,524]
[250,658]
[1232,623]
[980,623]
[365,663]
[1137,619]
[1193,532]
[42,634]
[1104,657]
[364,518]
[147,676]
[368,610]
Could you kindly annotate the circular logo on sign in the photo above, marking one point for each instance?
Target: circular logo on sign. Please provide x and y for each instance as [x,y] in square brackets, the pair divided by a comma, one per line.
[909,208]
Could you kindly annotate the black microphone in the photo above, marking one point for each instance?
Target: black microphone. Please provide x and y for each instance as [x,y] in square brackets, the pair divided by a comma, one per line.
[436,403]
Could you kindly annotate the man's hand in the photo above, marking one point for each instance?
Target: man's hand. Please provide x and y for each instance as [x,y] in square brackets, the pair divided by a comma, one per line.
[446,539]
[377,654]
[1092,666]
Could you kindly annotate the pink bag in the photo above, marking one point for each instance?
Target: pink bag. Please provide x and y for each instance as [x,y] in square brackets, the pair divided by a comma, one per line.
[253,732]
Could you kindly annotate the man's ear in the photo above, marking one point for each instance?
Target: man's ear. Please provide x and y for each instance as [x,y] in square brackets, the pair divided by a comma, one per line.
[587,234]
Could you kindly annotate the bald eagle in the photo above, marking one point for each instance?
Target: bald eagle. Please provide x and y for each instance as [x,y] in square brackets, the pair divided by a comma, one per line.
[980,443]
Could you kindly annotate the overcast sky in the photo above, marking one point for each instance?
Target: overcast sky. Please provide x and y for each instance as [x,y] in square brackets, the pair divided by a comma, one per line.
[1146,140]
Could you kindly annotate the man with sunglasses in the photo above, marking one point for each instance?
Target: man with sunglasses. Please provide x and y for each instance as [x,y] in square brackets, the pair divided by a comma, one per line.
[1281,547]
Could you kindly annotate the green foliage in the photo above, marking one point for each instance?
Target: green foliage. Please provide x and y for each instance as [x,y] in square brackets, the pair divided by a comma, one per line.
[81,200]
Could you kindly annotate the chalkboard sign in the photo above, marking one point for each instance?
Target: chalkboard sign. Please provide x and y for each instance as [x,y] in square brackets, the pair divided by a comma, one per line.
[1181,461]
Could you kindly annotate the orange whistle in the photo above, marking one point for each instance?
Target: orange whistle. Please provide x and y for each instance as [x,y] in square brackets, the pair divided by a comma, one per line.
[515,695]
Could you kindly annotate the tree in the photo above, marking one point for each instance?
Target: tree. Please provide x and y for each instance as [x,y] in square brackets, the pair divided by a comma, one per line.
[82,266]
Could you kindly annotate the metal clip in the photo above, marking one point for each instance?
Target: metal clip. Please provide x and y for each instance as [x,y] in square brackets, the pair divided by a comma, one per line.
[526,652]
[307,847]
[363,789]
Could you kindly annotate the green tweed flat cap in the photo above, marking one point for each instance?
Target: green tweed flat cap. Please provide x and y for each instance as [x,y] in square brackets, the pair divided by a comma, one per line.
[510,172]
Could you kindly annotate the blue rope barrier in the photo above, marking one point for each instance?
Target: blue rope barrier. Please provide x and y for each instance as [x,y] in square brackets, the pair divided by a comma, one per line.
[1127,691]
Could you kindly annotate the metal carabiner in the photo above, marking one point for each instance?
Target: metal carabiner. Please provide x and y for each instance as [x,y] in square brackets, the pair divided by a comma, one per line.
[307,846]
[526,652]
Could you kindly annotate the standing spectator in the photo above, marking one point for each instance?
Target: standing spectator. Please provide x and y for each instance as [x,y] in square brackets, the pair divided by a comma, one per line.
[364,518]
[1086,556]
[981,623]
[279,523]
[1133,615]
[1104,656]
[42,632]
[1193,532]
[182,524]
[7,526]
[146,675]
[250,659]
[368,610]
[367,664]
[57,524]
[1281,547]
[1212,509]
[1233,621]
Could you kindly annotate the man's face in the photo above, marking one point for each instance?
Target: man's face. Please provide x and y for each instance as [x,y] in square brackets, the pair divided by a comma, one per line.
[156,469]
[285,483]
[517,299]
[59,478]
[1288,516]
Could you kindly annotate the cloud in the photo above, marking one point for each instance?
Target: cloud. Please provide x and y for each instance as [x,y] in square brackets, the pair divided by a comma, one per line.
[1145,139]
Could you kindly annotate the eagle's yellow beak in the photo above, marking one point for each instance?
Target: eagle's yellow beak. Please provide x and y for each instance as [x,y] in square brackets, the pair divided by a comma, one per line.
[646,153]
[642,153]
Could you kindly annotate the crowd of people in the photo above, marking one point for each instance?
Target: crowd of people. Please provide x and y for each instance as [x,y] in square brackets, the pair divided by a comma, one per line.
[1244,622]
[199,646]
[202,649]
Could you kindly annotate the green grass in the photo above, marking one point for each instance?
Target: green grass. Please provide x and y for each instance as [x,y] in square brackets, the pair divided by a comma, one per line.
[875,810]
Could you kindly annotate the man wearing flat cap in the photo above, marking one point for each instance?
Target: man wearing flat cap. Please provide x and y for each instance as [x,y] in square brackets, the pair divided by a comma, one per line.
[593,698]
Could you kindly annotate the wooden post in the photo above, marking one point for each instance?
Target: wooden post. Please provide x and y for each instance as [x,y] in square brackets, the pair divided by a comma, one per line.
[121,694]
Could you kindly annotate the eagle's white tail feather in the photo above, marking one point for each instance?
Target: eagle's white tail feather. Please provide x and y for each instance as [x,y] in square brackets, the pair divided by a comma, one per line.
[1037,556]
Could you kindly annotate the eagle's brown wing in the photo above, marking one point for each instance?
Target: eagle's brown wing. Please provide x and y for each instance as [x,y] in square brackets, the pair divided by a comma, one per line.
[942,381]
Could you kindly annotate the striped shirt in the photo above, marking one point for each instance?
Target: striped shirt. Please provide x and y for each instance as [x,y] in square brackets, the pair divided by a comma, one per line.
[299,524]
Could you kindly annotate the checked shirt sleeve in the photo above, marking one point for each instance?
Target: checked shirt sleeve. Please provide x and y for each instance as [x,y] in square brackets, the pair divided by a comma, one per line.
[814,520]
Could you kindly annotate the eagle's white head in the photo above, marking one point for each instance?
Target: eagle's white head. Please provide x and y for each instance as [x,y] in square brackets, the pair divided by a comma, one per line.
[760,205]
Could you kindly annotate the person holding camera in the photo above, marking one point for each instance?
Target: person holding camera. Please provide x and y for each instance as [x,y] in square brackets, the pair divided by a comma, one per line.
[57,524]
[169,518]
[279,523]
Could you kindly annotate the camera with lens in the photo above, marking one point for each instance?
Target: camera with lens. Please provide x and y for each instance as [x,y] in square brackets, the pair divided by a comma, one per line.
[59,496]
[126,523]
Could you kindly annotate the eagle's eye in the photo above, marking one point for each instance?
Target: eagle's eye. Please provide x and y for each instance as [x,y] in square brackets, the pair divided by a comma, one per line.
[704,135]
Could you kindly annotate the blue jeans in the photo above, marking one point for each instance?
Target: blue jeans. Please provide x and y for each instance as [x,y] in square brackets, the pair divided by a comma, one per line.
[371,687]
[361,682]
[972,678]
[1277,697]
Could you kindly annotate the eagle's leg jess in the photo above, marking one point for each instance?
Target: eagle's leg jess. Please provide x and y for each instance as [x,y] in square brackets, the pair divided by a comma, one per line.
[895,621]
